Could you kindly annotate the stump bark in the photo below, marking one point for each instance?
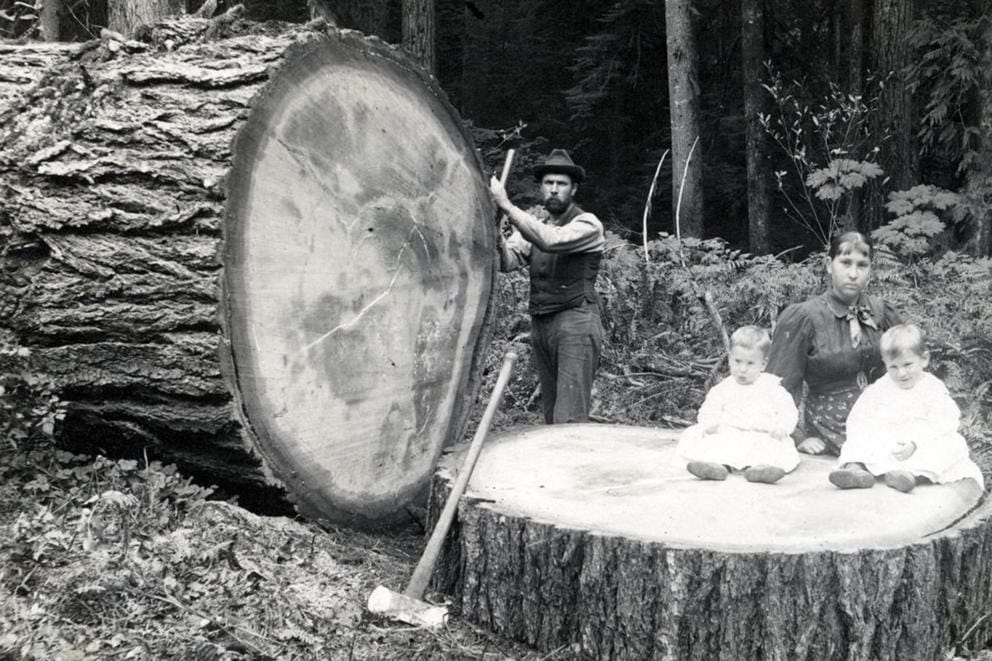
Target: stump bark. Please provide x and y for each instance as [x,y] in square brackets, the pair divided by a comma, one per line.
[594,537]
[261,252]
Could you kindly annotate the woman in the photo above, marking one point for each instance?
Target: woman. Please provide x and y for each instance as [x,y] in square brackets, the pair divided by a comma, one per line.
[830,343]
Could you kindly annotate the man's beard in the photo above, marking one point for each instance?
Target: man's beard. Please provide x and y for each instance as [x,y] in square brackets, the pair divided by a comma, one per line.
[555,205]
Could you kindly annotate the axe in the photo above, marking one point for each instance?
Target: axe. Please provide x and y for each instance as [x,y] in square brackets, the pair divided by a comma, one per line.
[409,606]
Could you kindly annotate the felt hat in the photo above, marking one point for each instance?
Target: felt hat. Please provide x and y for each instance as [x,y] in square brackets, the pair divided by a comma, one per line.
[559,162]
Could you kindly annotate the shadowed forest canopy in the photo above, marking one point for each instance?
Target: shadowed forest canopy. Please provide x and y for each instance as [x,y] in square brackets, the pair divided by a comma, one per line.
[856,100]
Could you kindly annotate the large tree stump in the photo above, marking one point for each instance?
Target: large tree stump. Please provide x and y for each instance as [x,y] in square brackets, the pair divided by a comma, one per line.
[595,537]
[258,251]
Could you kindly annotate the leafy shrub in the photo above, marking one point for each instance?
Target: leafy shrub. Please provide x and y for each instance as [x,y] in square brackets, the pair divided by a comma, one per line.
[947,76]
[829,149]
[841,176]
[29,405]
[662,346]
[917,224]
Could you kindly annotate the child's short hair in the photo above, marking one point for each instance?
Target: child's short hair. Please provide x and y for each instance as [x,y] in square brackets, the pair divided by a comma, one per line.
[902,338]
[752,337]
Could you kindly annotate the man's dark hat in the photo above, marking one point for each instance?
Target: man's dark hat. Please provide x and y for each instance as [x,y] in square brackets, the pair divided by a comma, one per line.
[559,162]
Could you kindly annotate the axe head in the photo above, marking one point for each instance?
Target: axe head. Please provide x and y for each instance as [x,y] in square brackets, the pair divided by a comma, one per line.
[398,606]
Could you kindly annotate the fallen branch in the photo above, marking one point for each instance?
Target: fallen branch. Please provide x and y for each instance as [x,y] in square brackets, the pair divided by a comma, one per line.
[533,396]
[647,206]
[703,294]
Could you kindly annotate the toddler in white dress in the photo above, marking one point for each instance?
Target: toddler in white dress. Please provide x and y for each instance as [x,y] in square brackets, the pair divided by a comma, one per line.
[905,425]
[745,420]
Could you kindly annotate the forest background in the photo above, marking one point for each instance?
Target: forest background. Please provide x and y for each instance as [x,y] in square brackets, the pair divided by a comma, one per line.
[803,117]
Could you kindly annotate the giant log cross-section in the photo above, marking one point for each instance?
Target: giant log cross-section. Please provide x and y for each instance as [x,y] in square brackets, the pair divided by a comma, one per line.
[595,539]
[259,251]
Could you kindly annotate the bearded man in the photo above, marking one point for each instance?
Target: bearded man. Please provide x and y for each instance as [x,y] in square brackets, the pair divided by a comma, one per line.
[563,253]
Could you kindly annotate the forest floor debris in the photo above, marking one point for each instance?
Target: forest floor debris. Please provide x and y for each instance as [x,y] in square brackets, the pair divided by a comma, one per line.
[103,559]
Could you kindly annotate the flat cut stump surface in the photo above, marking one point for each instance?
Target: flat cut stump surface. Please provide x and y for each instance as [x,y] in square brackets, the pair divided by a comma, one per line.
[629,481]
[595,539]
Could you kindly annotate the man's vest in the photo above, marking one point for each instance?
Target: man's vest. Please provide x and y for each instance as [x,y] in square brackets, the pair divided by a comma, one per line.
[559,281]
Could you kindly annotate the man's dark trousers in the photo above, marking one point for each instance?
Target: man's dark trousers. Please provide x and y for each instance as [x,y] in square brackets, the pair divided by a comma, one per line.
[565,349]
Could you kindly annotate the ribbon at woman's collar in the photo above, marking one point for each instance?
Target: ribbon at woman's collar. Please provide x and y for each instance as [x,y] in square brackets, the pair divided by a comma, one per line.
[858,316]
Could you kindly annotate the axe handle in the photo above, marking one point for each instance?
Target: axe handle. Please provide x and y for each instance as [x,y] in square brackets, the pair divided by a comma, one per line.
[425,566]
[507,164]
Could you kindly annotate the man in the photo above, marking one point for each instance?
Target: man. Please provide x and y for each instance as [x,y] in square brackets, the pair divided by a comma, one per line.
[564,254]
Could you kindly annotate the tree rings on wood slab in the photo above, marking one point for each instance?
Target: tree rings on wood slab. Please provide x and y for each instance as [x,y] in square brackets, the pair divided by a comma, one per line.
[359,262]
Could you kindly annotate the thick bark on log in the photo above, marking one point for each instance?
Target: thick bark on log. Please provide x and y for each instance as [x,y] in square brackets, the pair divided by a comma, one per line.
[124,203]
[594,537]
[24,64]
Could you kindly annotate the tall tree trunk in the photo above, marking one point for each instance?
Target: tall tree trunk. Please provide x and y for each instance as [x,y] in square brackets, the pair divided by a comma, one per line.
[450,47]
[836,42]
[852,74]
[856,48]
[683,86]
[758,188]
[125,16]
[48,21]
[898,156]
[418,32]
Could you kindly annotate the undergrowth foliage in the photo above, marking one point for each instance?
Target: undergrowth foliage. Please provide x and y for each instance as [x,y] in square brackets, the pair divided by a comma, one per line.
[663,348]
[29,405]
[918,220]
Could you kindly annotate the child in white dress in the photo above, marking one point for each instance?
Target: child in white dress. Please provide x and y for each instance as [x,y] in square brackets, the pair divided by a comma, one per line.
[745,420]
[905,425]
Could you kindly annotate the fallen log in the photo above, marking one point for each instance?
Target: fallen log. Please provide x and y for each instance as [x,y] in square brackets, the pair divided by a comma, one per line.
[24,64]
[595,538]
[265,256]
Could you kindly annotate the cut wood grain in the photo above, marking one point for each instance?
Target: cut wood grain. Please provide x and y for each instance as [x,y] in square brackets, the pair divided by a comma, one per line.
[594,536]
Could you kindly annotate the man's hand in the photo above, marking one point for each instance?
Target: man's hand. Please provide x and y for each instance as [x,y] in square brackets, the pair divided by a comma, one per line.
[498,192]
[812,445]
[904,450]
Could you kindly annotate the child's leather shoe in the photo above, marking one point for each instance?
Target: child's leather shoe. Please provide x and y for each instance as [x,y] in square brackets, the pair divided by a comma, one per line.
[707,470]
[851,478]
[764,473]
[901,480]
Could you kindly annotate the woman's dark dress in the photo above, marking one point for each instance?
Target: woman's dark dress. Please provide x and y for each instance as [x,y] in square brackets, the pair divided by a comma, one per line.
[813,344]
